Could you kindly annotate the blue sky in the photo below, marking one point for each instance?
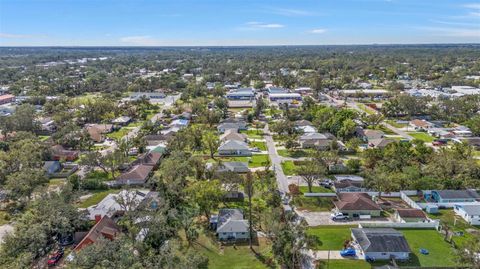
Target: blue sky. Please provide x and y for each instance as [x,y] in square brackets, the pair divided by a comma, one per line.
[236,22]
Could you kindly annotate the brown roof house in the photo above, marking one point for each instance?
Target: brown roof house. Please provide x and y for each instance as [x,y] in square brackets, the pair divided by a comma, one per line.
[137,175]
[60,153]
[380,143]
[97,131]
[356,205]
[410,215]
[420,124]
[104,228]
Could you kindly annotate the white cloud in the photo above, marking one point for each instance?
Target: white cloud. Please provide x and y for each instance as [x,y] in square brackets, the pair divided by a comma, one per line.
[472,6]
[290,12]
[6,35]
[256,24]
[144,40]
[317,31]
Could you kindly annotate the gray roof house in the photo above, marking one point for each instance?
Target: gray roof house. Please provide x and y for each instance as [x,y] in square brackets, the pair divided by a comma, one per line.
[232,134]
[316,140]
[381,243]
[234,148]
[470,213]
[230,225]
[454,196]
[240,125]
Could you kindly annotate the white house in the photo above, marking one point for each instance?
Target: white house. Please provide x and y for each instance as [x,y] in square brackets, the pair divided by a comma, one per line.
[230,225]
[381,243]
[116,203]
[470,213]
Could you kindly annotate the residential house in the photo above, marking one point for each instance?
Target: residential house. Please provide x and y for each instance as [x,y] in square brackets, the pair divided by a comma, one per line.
[97,131]
[180,123]
[60,153]
[232,134]
[452,196]
[235,167]
[151,96]
[234,148]
[115,204]
[47,125]
[473,142]
[104,228]
[409,215]
[230,225]
[122,120]
[380,143]
[234,196]
[51,167]
[321,141]
[421,125]
[238,126]
[348,185]
[137,175]
[7,98]
[367,135]
[156,139]
[356,204]
[470,213]
[381,243]
[152,159]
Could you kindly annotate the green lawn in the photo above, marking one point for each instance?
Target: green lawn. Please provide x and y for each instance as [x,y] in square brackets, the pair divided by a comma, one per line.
[56,182]
[260,145]
[448,216]
[4,217]
[240,257]
[330,237]
[304,189]
[395,124]
[256,160]
[440,252]
[96,197]
[386,130]
[422,136]
[366,109]
[43,137]
[344,264]
[253,133]
[294,153]
[313,203]
[117,135]
[289,168]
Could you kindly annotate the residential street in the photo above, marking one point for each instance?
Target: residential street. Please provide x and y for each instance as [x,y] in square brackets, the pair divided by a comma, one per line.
[276,161]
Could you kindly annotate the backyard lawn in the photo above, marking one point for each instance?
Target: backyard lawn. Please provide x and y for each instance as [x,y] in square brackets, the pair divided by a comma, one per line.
[96,197]
[330,237]
[422,136]
[448,216]
[240,257]
[366,109]
[395,124]
[304,189]
[440,252]
[260,145]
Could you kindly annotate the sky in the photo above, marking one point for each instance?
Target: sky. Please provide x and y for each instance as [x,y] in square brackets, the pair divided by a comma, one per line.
[236,22]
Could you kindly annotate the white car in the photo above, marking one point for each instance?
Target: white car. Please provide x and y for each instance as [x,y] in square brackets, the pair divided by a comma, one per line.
[338,216]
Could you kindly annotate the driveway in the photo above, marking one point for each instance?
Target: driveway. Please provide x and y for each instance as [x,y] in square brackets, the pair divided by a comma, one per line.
[323,218]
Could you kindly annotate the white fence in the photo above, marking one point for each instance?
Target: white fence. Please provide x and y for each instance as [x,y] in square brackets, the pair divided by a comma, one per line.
[415,225]
[320,194]
[408,200]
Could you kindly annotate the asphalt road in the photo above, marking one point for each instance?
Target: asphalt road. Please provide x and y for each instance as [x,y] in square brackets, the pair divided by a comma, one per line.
[276,161]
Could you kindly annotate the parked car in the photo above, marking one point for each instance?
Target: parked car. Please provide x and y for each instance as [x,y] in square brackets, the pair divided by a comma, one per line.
[339,216]
[55,257]
[348,252]
[439,142]
[255,149]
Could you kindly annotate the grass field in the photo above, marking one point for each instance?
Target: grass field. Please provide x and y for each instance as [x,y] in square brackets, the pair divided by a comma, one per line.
[289,168]
[422,136]
[366,109]
[96,197]
[319,204]
[441,253]
[253,133]
[304,189]
[294,153]
[395,124]
[117,135]
[256,160]
[260,145]
[448,216]
[238,257]
[4,217]
[344,264]
[330,237]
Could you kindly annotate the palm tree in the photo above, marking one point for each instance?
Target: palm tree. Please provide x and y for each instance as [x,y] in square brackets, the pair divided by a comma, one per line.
[248,186]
